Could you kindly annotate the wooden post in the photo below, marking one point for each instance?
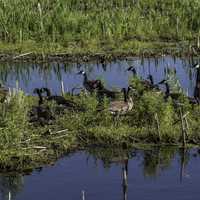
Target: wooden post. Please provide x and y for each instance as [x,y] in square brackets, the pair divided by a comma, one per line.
[158,126]
[183,128]
[62,88]
[17,85]
[187,125]
[9,195]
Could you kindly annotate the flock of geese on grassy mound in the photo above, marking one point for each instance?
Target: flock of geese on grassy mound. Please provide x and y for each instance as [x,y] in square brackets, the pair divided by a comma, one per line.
[42,113]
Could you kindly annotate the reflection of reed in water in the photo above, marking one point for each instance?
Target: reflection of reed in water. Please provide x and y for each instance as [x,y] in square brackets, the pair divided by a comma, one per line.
[117,156]
[10,186]
[184,159]
[156,160]
[125,179]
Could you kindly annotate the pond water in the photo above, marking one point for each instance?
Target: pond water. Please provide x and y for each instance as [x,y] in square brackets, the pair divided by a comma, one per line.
[30,76]
[157,173]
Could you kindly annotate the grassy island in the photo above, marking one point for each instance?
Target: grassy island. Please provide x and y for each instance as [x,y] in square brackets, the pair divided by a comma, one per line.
[152,120]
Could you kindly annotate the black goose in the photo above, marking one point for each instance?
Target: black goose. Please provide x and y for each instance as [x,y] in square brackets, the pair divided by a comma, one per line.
[60,100]
[168,94]
[40,114]
[152,85]
[175,96]
[90,85]
[148,84]
[133,70]
[102,91]
[197,86]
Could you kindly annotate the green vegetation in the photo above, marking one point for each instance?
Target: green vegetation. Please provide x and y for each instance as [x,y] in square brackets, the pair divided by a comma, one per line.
[88,27]
[92,26]
[26,145]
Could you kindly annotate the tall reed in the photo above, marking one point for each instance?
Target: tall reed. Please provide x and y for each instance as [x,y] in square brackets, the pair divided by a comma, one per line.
[85,21]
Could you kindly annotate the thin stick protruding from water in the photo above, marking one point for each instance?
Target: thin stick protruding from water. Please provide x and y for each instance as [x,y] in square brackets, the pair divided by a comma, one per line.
[83,195]
[62,88]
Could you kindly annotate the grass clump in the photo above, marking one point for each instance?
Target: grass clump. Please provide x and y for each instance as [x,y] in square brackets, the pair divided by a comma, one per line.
[13,120]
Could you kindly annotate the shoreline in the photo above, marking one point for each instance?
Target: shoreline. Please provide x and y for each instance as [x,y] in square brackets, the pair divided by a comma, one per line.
[9,53]
[25,163]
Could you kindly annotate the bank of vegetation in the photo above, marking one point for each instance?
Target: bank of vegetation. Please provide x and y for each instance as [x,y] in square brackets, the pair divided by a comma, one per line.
[152,120]
[92,26]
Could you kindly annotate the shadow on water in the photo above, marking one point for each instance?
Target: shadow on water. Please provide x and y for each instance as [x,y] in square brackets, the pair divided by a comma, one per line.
[30,76]
[110,174]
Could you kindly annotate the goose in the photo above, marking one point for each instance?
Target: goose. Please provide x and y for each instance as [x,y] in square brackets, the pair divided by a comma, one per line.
[90,85]
[122,107]
[197,86]
[168,94]
[40,114]
[102,91]
[152,84]
[60,100]
[148,84]
[175,96]
[39,94]
[133,70]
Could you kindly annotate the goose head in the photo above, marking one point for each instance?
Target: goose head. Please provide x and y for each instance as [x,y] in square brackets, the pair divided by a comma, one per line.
[81,72]
[150,77]
[132,69]
[196,66]
[47,90]
[37,91]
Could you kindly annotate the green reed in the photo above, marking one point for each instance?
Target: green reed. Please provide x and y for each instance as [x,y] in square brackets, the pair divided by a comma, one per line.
[71,23]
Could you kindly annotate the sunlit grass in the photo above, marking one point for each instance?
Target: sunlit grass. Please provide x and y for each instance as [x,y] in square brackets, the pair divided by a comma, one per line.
[96,25]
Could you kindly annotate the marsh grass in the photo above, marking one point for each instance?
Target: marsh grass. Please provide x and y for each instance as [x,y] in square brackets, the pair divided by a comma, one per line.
[96,24]
[13,119]
[20,140]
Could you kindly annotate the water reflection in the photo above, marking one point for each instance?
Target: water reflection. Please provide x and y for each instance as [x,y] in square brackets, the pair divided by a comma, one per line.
[129,171]
[50,75]
[10,186]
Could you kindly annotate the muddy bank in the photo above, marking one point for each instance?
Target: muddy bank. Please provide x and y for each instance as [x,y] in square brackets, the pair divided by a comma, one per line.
[86,57]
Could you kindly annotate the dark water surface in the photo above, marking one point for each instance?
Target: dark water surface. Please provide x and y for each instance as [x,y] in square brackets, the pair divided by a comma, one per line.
[165,173]
[50,75]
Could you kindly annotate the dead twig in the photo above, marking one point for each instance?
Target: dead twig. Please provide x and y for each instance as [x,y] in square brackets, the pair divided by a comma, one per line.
[61,131]
[22,55]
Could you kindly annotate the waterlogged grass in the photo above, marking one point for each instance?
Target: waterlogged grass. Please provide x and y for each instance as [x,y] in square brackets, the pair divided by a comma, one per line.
[95,26]
[25,145]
